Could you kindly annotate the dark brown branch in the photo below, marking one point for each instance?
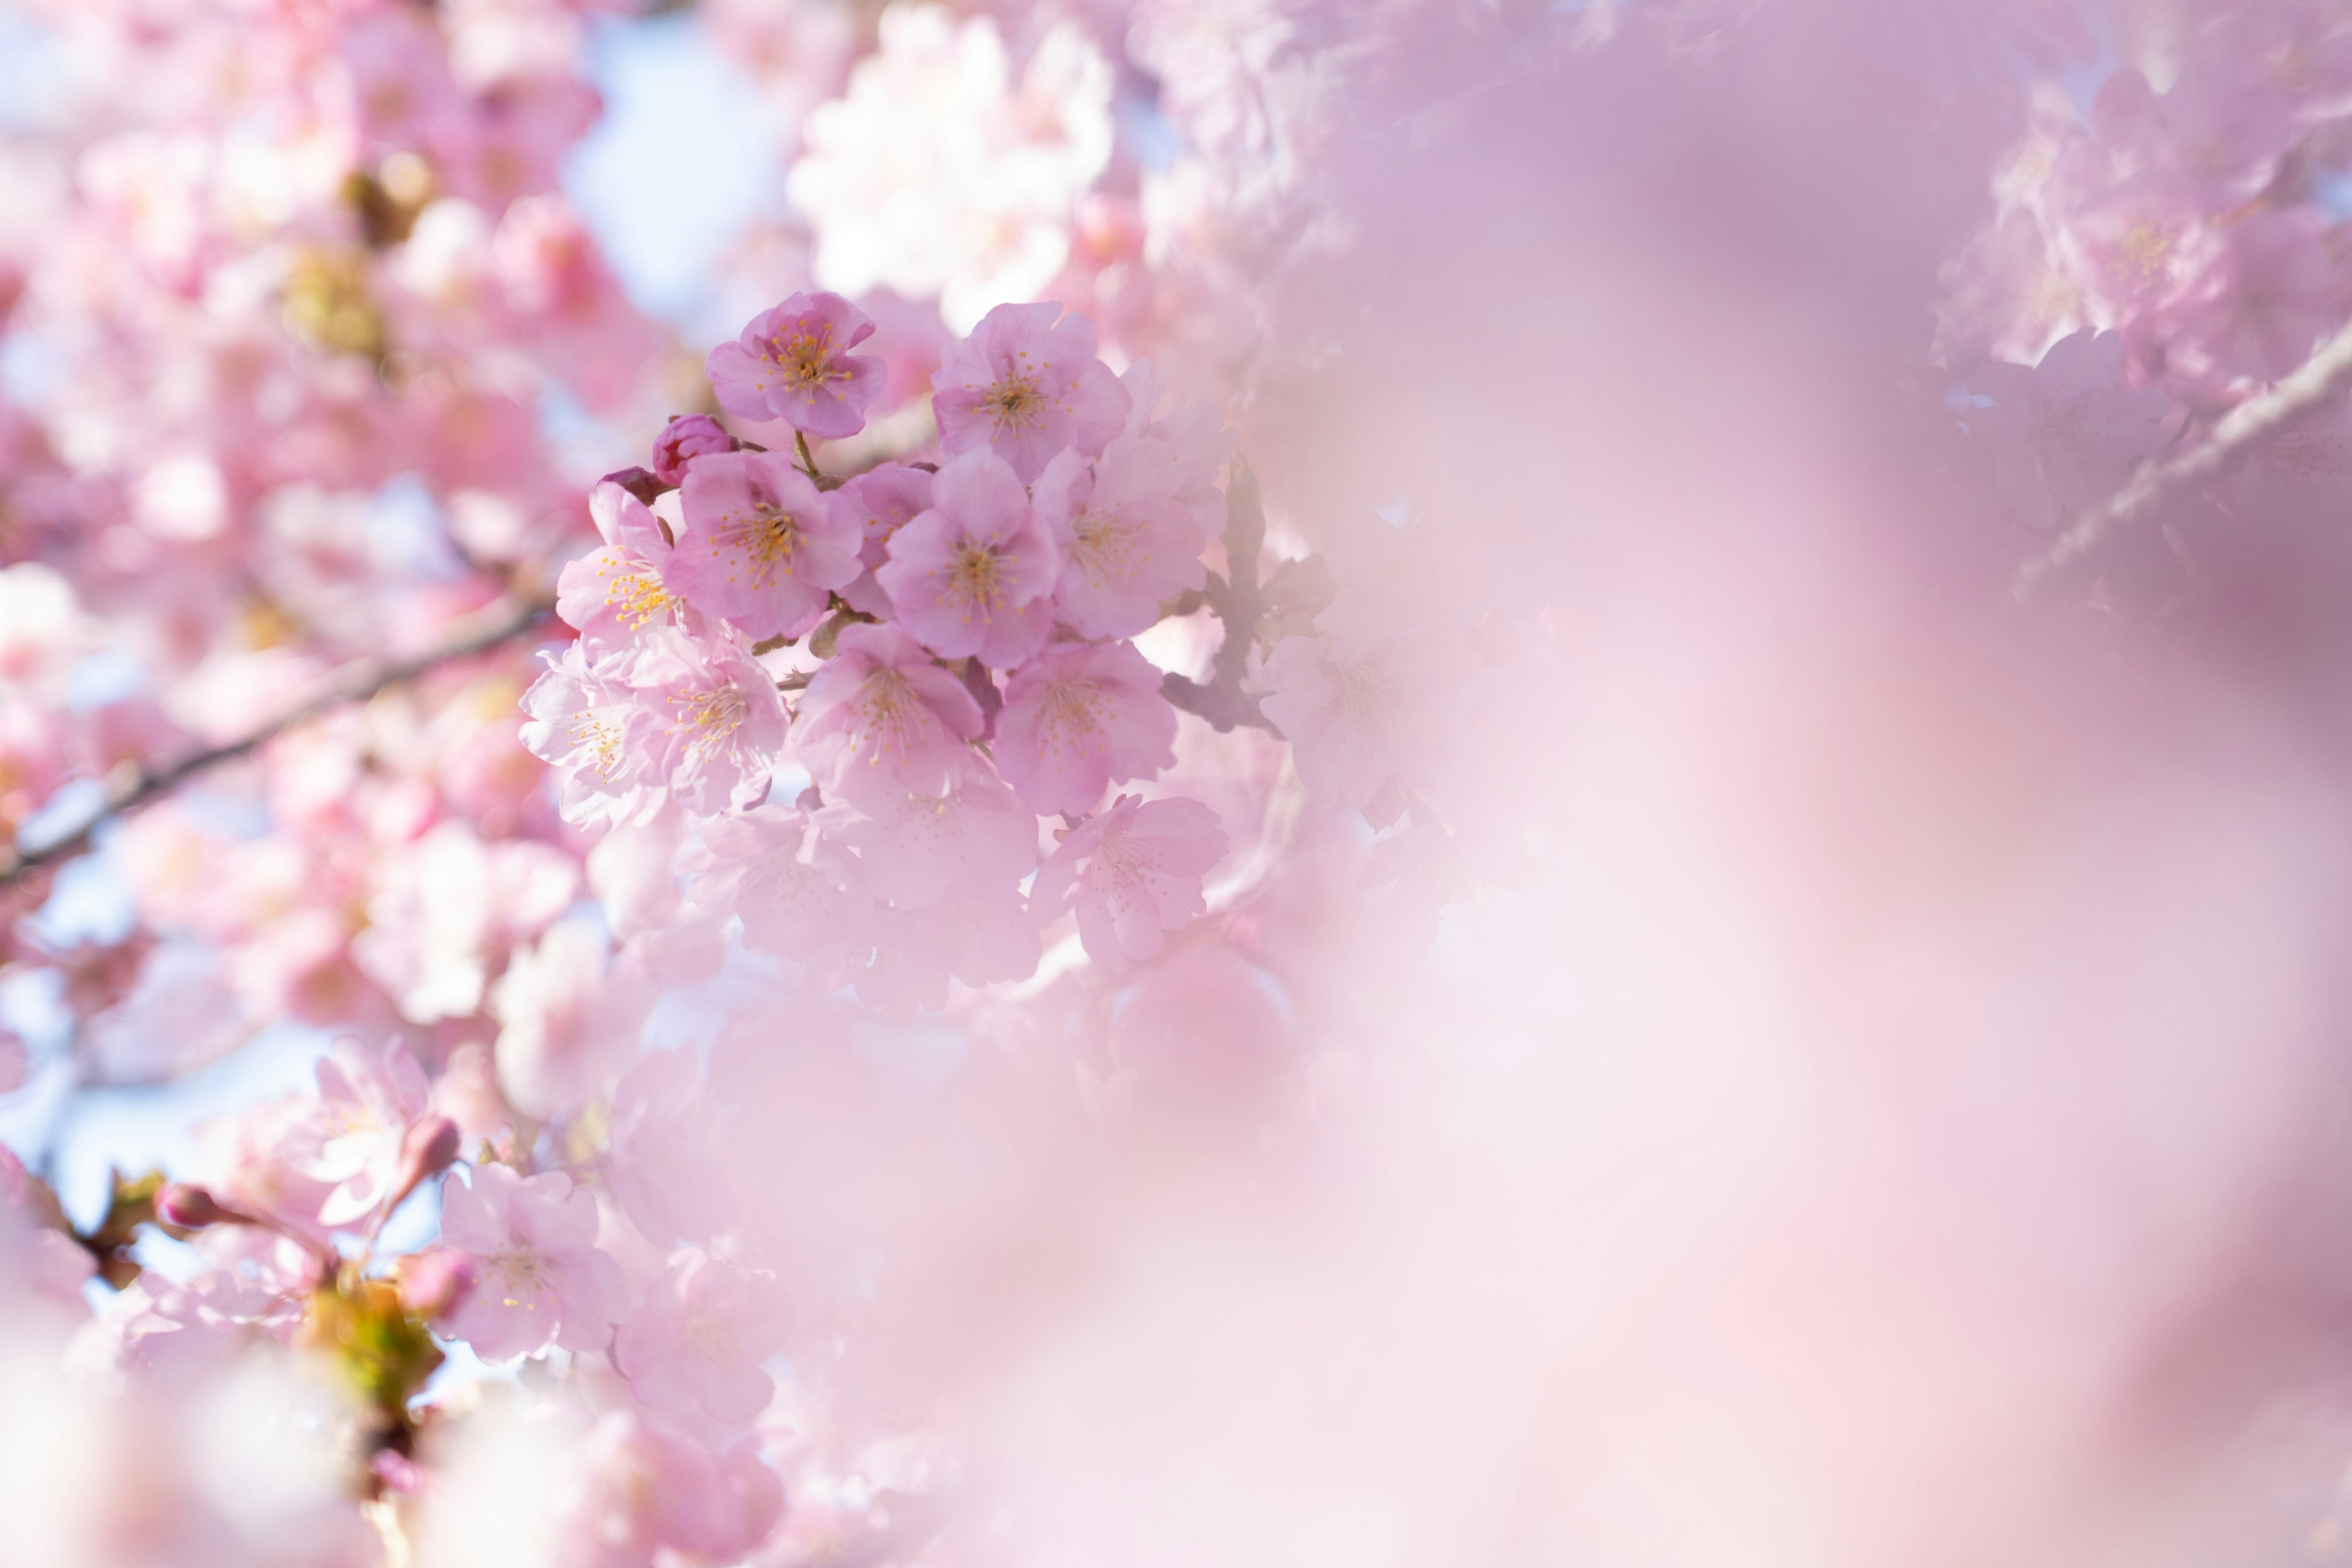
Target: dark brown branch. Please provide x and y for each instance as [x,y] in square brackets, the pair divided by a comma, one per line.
[490,628]
[1238,603]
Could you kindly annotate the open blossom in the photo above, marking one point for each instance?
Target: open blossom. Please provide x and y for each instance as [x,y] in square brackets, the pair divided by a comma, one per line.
[567,1020]
[1080,718]
[1026,386]
[879,501]
[1195,436]
[613,595]
[352,1139]
[538,1275]
[445,909]
[1359,702]
[667,1169]
[588,727]
[2066,434]
[718,724]
[760,547]
[1128,541]
[1132,874]
[978,941]
[970,576]
[699,1338]
[881,716]
[792,362]
[916,847]
[800,895]
[939,173]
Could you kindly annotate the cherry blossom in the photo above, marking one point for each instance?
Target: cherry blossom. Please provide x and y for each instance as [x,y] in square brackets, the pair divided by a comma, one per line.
[760,547]
[590,729]
[666,1146]
[1079,718]
[699,1338]
[914,846]
[538,1276]
[970,576]
[800,896]
[1128,543]
[880,501]
[882,716]
[718,725]
[684,438]
[792,362]
[354,1140]
[1025,385]
[1132,874]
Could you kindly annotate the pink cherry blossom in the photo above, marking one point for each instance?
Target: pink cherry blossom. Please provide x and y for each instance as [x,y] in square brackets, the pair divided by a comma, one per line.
[880,501]
[880,716]
[718,725]
[792,362]
[915,847]
[611,596]
[1079,718]
[666,1169]
[588,727]
[538,1276]
[568,1019]
[1195,436]
[978,941]
[760,548]
[2066,434]
[699,1338]
[1128,543]
[970,576]
[1132,874]
[801,897]
[1025,385]
[684,438]
[354,1140]
[1358,702]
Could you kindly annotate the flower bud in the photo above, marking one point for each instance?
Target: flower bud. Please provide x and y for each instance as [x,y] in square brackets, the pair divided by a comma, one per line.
[191,1207]
[646,487]
[433,1283]
[687,436]
[428,1150]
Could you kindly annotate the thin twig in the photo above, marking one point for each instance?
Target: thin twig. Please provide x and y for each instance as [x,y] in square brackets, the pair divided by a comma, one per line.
[2320,377]
[1221,699]
[499,623]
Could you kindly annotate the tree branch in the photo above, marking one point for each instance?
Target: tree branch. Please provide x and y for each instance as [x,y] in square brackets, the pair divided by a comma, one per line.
[1221,699]
[497,625]
[2320,377]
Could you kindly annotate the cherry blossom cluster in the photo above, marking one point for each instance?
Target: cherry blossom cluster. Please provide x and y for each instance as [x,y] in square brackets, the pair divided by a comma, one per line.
[2160,255]
[968,665]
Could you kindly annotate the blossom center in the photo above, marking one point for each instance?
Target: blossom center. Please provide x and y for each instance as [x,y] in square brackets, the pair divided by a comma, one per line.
[1074,708]
[1104,545]
[598,736]
[1013,402]
[976,575]
[634,597]
[522,1271]
[711,717]
[2146,248]
[804,359]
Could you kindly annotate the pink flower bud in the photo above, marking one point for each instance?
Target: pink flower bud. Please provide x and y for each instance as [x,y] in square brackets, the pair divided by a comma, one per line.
[688,436]
[428,1149]
[433,1283]
[191,1207]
